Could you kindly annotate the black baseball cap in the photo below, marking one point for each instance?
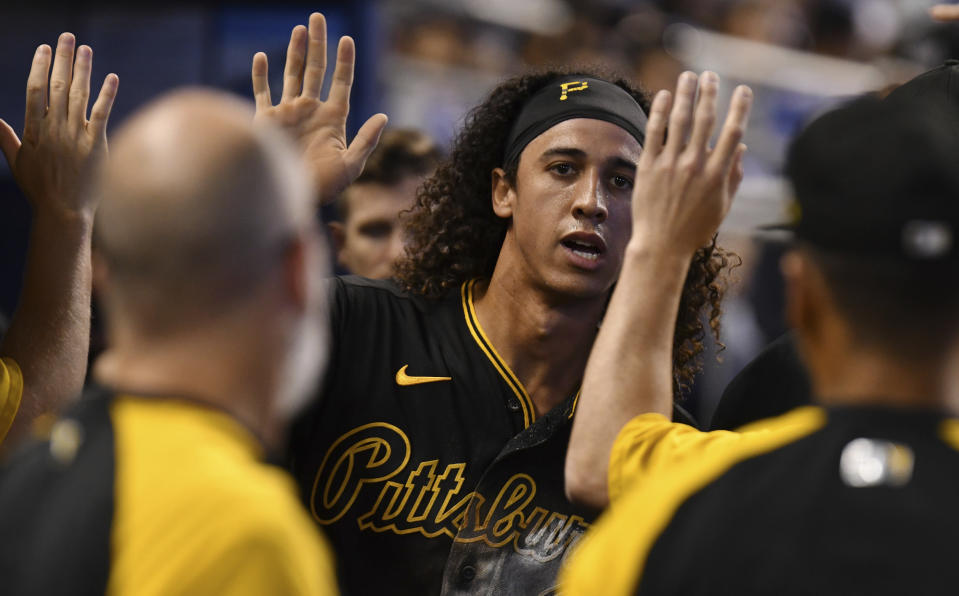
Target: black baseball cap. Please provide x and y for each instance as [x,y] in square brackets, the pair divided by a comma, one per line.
[878,177]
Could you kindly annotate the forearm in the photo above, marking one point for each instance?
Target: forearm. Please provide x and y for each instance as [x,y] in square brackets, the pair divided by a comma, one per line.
[49,334]
[630,368]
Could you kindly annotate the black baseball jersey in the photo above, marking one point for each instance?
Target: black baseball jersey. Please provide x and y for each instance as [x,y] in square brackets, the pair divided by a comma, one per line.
[424,460]
[839,500]
[423,438]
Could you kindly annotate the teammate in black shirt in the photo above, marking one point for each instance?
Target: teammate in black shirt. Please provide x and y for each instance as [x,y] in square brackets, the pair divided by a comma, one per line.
[852,495]
[434,459]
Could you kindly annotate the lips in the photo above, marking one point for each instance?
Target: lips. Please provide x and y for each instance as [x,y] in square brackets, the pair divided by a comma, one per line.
[588,246]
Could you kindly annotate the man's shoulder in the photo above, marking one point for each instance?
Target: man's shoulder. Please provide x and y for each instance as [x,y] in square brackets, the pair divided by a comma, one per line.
[357,291]
[386,289]
[356,283]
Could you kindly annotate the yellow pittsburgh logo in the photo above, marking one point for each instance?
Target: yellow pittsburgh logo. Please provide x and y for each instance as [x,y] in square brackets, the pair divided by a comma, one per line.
[568,88]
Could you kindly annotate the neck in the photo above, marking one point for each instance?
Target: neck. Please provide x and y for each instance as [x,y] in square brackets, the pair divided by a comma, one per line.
[201,365]
[545,343]
[869,378]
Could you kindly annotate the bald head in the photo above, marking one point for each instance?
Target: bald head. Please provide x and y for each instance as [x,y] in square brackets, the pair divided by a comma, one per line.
[197,205]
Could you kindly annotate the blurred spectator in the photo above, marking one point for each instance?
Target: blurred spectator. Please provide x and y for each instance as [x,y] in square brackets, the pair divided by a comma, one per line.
[368,236]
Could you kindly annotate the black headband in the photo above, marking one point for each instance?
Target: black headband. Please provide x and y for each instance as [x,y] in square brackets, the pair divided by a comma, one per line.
[574,97]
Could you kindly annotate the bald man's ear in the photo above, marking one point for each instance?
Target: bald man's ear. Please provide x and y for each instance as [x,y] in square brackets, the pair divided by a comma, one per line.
[504,195]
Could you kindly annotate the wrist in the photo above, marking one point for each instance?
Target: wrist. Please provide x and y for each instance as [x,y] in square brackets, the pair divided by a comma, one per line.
[77,222]
[658,255]
[655,264]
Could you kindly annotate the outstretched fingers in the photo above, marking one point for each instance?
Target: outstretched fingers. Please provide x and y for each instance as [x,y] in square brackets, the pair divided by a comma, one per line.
[681,117]
[705,118]
[61,74]
[97,127]
[734,128]
[261,83]
[37,93]
[656,126]
[315,56]
[736,172]
[9,143]
[343,75]
[364,143]
[295,58]
[80,88]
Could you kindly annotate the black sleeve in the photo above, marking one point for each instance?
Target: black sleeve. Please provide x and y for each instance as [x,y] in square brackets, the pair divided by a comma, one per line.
[772,384]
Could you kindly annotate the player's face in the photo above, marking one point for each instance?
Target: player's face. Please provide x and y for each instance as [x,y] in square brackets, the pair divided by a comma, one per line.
[570,207]
[371,239]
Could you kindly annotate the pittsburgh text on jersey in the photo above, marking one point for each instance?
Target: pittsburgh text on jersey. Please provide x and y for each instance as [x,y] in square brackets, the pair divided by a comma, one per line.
[425,497]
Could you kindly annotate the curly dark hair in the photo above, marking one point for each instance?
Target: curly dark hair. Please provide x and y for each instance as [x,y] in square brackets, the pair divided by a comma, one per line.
[454,236]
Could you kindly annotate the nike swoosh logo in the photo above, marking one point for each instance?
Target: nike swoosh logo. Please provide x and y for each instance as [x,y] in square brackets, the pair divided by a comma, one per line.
[404,379]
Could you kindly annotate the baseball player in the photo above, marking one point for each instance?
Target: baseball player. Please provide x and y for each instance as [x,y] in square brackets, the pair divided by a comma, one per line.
[777,380]
[434,461]
[367,234]
[852,495]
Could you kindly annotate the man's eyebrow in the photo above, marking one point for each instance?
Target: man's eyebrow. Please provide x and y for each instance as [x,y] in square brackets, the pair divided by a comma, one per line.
[622,162]
[564,151]
[617,161]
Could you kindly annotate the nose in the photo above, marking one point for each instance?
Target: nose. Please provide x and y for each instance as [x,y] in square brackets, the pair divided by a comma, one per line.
[591,199]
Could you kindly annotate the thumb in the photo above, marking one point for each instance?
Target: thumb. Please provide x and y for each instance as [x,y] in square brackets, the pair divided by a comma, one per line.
[9,143]
[736,173]
[364,142]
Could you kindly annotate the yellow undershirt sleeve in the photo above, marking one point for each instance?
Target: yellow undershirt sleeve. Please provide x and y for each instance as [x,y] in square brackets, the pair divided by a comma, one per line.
[11,392]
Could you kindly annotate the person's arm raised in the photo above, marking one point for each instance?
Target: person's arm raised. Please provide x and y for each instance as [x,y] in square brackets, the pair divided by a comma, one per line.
[319,126]
[683,191]
[49,334]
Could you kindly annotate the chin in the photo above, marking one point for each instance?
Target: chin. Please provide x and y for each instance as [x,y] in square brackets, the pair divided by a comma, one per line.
[581,287]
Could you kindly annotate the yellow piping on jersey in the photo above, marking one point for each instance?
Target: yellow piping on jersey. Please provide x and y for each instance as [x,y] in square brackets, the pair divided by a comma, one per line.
[11,392]
[572,409]
[472,323]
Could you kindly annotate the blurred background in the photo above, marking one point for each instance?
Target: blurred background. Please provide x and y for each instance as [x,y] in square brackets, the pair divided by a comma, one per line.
[426,62]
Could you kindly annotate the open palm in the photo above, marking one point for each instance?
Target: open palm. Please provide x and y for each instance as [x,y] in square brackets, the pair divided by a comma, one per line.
[55,159]
[319,126]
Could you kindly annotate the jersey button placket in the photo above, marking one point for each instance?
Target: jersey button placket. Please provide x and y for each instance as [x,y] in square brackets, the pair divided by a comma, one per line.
[467,573]
[513,404]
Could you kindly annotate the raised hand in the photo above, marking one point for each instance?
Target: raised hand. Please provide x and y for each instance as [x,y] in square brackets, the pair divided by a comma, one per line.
[53,162]
[49,334]
[320,126]
[683,190]
[684,187]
